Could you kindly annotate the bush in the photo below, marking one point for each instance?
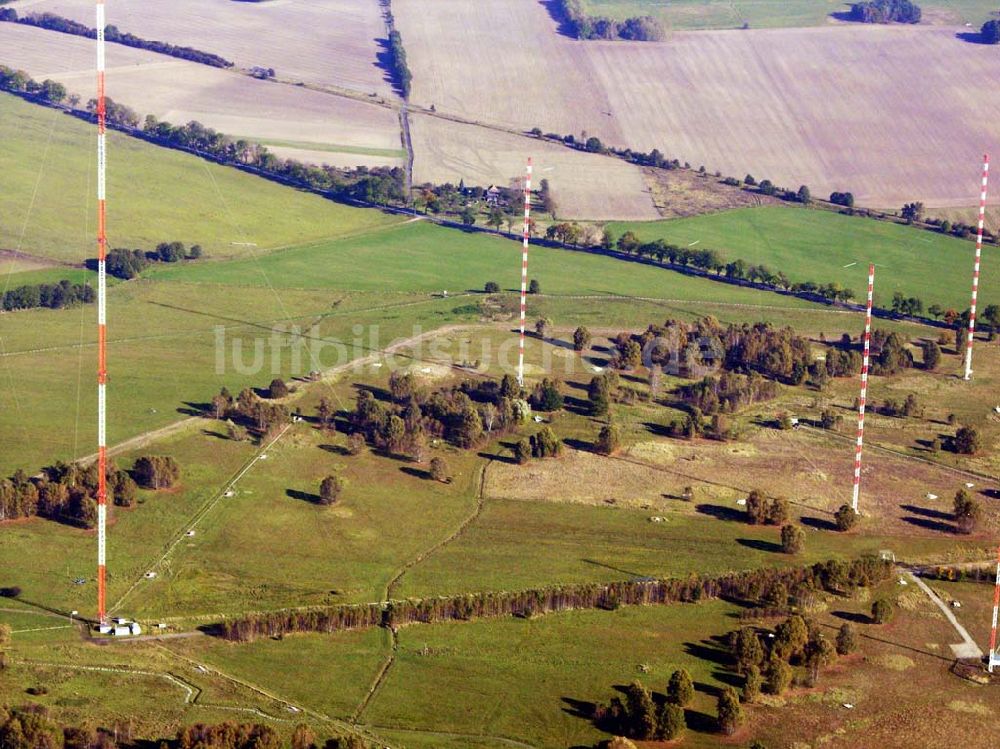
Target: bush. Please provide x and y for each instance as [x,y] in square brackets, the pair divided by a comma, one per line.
[277,389]
[966,441]
[355,443]
[156,471]
[793,539]
[545,444]
[846,640]
[581,339]
[522,452]
[990,32]
[882,611]
[534,287]
[608,440]
[492,287]
[846,518]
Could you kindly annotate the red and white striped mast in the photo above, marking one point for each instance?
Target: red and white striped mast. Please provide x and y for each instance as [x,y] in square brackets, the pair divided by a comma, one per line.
[102,338]
[524,268]
[996,606]
[864,389]
[975,272]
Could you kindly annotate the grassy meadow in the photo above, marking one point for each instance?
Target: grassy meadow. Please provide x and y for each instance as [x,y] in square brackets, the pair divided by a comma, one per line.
[48,205]
[820,246]
[722,14]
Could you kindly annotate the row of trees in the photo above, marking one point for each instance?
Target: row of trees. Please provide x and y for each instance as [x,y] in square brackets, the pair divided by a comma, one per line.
[54,22]
[834,576]
[400,68]
[50,295]
[126,264]
[33,727]
[67,492]
[583,26]
[18,81]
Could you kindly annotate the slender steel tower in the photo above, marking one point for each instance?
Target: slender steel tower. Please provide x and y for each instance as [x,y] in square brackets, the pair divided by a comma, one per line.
[524,268]
[102,337]
[975,272]
[864,389]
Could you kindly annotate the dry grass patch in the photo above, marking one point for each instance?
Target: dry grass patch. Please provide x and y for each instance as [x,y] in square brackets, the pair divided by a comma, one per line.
[679,193]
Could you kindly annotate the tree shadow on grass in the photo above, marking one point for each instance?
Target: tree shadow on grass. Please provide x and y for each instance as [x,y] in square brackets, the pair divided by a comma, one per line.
[497,457]
[419,473]
[706,650]
[335,449]
[927,512]
[759,544]
[820,524]
[303,496]
[578,708]
[853,616]
[972,37]
[932,525]
[581,445]
[721,512]
[729,678]
[700,722]
[213,433]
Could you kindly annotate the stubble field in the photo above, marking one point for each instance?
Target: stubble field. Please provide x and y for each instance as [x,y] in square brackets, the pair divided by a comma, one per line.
[317,41]
[793,105]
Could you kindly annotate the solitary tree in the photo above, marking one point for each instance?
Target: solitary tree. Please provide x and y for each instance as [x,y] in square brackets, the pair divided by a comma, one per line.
[608,440]
[641,711]
[882,611]
[777,676]
[751,685]
[156,471]
[522,451]
[277,389]
[492,287]
[329,490]
[680,688]
[729,710]
[581,339]
[534,287]
[542,327]
[793,538]
[846,640]
[671,721]
[756,507]
[966,512]
[932,356]
[845,517]
[439,470]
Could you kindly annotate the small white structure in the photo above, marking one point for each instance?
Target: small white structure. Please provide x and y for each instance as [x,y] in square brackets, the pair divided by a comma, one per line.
[190,534]
[229,493]
[150,575]
[657,519]
[969,485]
[741,502]
[120,627]
[538,419]
[931,496]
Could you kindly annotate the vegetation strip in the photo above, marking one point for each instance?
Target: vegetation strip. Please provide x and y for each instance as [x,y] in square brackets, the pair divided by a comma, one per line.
[830,575]
[54,22]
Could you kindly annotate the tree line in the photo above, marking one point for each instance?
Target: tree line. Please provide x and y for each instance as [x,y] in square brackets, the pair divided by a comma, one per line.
[834,576]
[50,295]
[67,492]
[885,11]
[32,726]
[54,22]
[583,26]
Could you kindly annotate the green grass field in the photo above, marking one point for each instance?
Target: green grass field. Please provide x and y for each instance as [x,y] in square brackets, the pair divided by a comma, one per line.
[724,14]
[48,205]
[812,245]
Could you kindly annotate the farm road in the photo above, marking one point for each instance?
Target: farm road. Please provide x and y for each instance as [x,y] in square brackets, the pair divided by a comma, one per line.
[968,647]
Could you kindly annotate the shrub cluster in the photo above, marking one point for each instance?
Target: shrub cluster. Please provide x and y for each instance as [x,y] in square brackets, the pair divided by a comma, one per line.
[50,295]
[583,26]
